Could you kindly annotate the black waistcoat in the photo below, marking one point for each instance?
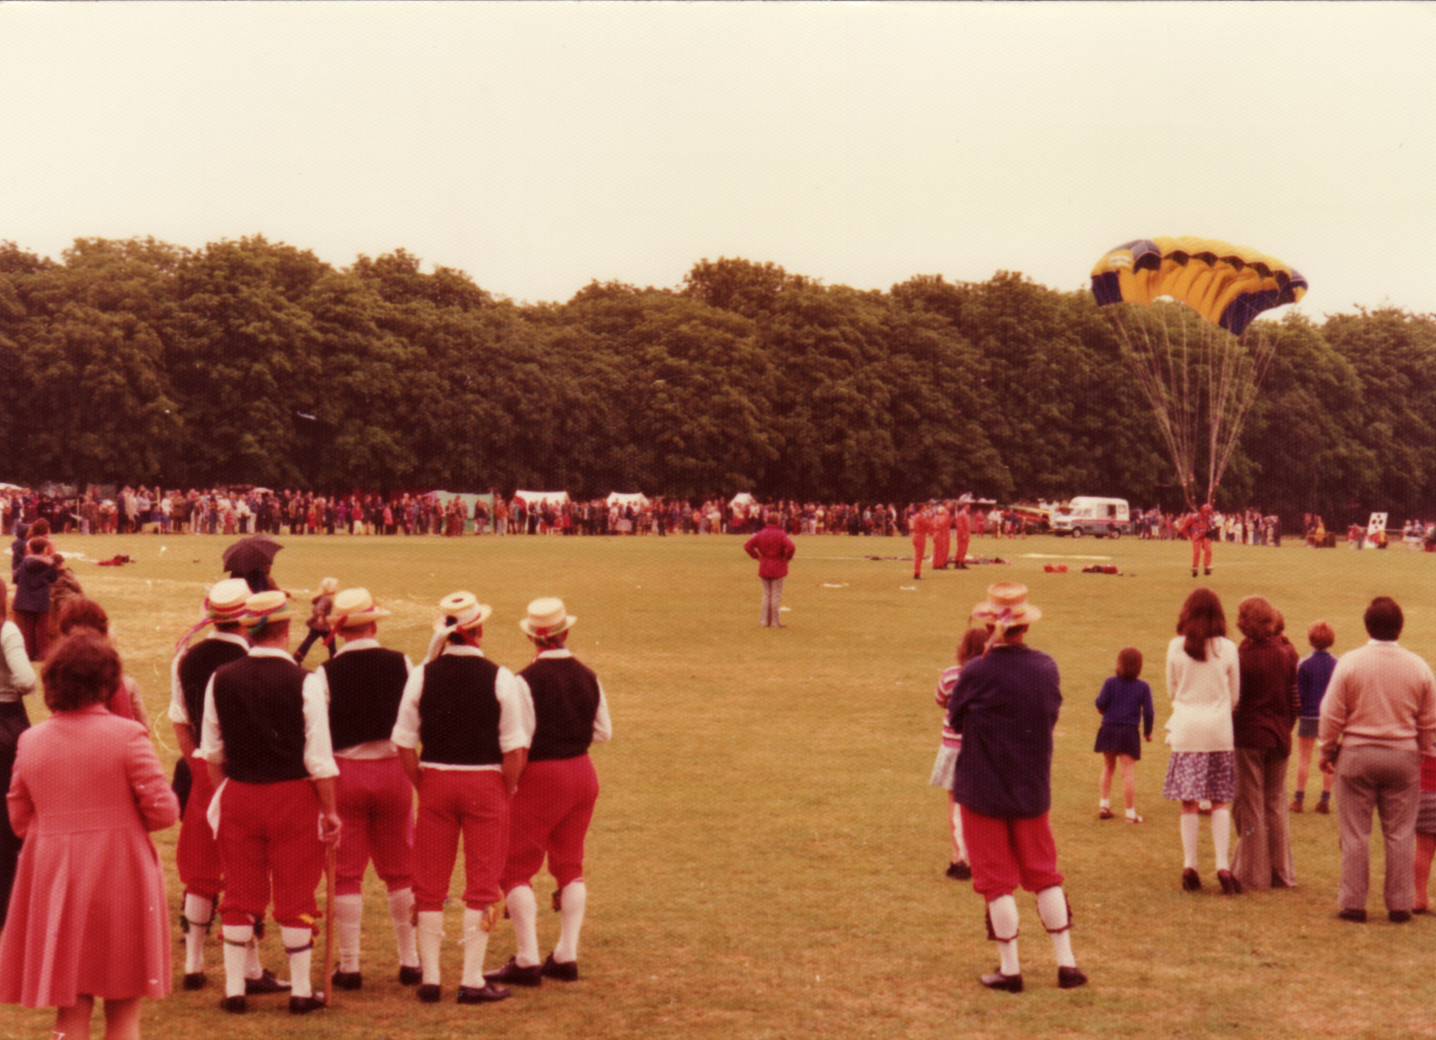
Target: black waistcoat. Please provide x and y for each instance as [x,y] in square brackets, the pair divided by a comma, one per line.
[365,687]
[459,711]
[565,695]
[260,704]
[195,668]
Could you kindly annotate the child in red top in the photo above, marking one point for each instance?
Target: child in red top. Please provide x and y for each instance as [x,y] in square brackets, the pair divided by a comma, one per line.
[972,645]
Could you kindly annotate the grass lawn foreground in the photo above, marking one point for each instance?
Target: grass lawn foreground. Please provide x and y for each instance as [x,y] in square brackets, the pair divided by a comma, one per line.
[767,858]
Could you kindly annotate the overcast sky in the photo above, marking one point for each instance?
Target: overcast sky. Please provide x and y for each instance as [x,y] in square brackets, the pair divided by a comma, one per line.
[540,146]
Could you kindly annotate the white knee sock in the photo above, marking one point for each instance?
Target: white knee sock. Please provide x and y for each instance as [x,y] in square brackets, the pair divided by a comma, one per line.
[431,937]
[238,938]
[957,832]
[252,968]
[476,944]
[348,922]
[1191,829]
[523,911]
[299,944]
[199,912]
[572,903]
[401,911]
[1052,908]
[1222,836]
[1002,912]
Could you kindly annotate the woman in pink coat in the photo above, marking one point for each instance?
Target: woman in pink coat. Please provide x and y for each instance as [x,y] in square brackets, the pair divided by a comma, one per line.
[87,916]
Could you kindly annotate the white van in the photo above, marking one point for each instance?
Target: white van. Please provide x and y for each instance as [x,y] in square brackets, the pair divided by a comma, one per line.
[1087,514]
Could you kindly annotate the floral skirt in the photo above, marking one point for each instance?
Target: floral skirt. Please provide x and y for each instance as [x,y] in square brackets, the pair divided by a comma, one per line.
[1195,776]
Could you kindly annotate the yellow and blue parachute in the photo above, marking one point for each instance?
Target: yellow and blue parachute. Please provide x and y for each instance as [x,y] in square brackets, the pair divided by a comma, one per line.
[1227,285]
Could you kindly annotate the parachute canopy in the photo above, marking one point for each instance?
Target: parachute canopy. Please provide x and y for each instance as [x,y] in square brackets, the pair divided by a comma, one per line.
[1227,285]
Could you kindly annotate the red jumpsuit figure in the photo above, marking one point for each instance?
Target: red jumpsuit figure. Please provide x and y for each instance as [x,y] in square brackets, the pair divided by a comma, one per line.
[963,523]
[921,526]
[941,538]
[1199,530]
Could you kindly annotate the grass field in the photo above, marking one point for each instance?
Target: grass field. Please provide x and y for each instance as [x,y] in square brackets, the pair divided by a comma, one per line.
[767,860]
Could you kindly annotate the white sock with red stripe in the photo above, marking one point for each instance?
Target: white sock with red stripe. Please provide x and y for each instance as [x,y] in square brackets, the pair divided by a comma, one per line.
[299,944]
[573,902]
[348,922]
[476,945]
[401,910]
[523,911]
[1002,912]
[198,913]
[238,938]
[431,937]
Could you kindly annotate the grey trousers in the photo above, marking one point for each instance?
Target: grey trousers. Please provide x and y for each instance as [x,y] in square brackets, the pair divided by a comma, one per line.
[772,601]
[1259,815]
[1388,780]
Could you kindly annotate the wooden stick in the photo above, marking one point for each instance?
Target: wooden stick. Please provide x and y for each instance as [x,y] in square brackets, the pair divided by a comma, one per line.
[330,954]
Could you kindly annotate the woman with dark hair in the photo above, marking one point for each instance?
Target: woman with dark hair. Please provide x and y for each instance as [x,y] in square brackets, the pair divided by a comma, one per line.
[1267,710]
[1203,681]
[33,578]
[88,917]
[17,679]
[80,613]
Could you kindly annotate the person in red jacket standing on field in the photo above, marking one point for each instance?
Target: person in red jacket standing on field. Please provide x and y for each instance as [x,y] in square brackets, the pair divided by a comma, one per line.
[941,538]
[772,548]
[921,527]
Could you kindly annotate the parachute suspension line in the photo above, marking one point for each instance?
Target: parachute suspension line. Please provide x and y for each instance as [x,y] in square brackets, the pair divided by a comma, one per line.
[1255,353]
[1145,359]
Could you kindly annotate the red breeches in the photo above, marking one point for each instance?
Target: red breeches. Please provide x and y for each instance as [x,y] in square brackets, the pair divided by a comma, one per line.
[376,805]
[269,842]
[1009,854]
[197,853]
[550,816]
[455,802]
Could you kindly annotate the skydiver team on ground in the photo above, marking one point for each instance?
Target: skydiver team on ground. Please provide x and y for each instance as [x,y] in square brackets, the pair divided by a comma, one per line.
[498,759]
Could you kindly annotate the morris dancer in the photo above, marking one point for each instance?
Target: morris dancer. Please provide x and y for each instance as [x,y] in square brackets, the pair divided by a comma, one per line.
[941,538]
[266,739]
[554,802]
[363,685]
[200,869]
[474,721]
[963,524]
[921,523]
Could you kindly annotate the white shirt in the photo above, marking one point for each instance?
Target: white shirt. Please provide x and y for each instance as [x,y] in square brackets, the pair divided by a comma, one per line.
[319,679]
[318,752]
[1204,695]
[516,712]
[179,711]
[17,662]
[602,724]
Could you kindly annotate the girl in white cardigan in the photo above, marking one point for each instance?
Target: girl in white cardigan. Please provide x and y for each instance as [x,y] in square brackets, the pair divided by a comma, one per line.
[1203,681]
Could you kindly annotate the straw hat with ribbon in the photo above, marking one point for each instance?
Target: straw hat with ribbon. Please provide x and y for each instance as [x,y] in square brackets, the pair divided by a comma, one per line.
[458,612]
[1006,607]
[355,607]
[223,605]
[265,607]
[547,617]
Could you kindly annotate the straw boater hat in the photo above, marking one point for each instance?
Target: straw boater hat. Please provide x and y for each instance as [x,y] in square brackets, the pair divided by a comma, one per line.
[547,617]
[1006,606]
[223,605]
[355,607]
[264,607]
[458,611]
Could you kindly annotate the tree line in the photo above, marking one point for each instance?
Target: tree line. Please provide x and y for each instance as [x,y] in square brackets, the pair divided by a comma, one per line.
[251,361]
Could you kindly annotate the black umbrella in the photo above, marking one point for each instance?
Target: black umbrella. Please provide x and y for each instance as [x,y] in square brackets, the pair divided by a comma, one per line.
[247,555]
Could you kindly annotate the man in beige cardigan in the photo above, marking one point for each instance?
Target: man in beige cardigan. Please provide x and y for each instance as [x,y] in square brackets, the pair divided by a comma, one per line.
[1379,714]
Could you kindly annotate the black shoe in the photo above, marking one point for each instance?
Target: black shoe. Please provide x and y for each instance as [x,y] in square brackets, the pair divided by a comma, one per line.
[1005,983]
[429,994]
[194,980]
[516,974]
[348,980]
[1399,916]
[234,1005]
[1230,885]
[959,871]
[1194,572]
[486,994]
[304,1005]
[266,983]
[410,976]
[1358,916]
[564,971]
[1070,978]
[1191,881]
[1207,571]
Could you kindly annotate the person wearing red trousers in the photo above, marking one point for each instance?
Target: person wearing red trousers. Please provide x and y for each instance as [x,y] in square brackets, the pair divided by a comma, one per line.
[197,854]
[266,740]
[1005,706]
[921,527]
[962,523]
[363,684]
[554,802]
[1199,530]
[473,721]
[941,538]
